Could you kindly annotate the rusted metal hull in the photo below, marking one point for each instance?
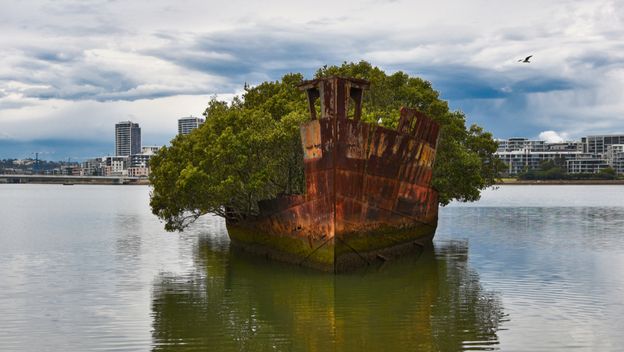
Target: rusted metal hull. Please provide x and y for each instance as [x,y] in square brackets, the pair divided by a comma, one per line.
[368,196]
[368,193]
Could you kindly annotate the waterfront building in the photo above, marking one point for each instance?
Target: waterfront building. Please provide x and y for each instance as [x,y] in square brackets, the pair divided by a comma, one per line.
[587,156]
[586,165]
[615,157]
[187,124]
[139,160]
[520,143]
[93,167]
[117,165]
[521,160]
[565,147]
[598,144]
[138,171]
[127,138]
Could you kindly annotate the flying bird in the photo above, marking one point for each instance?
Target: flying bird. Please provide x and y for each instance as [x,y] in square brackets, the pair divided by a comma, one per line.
[526,59]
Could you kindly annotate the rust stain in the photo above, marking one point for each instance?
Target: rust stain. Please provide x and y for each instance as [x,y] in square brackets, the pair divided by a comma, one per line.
[311,140]
[360,177]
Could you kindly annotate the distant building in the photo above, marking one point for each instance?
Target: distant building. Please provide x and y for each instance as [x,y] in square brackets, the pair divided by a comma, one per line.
[150,149]
[520,143]
[586,165]
[565,147]
[522,160]
[187,124]
[598,144]
[117,165]
[591,155]
[94,167]
[139,160]
[522,154]
[138,171]
[127,138]
[615,157]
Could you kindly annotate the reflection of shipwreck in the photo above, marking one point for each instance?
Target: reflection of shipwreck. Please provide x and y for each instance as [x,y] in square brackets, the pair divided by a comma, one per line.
[368,188]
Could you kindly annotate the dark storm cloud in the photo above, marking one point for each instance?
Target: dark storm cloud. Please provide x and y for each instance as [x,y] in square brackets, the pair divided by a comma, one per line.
[544,84]
[54,149]
[254,53]
[457,82]
[464,82]
[264,52]
[72,53]
[70,75]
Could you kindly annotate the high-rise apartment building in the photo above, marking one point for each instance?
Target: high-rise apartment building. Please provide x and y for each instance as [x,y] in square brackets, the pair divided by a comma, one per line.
[127,138]
[187,124]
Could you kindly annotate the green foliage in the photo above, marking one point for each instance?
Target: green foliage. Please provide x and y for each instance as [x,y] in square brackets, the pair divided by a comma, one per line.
[608,173]
[465,161]
[250,150]
[245,152]
[553,170]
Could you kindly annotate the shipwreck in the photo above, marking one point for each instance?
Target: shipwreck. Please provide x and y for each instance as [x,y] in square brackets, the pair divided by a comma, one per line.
[368,188]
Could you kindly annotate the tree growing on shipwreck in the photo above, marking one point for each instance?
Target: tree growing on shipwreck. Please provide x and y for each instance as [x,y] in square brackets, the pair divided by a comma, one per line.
[250,151]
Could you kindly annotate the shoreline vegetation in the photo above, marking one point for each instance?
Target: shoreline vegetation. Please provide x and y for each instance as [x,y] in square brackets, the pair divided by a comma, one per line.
[554,172]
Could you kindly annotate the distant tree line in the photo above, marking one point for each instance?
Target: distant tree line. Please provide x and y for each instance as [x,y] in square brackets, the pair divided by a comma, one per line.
[30,165]
[556,170]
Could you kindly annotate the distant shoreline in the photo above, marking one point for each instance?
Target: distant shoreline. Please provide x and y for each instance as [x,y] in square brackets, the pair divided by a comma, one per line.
[72,180]
[104,180]
[559,182]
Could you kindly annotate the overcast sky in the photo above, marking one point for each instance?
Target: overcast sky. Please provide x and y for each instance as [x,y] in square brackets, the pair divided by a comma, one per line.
[69,70]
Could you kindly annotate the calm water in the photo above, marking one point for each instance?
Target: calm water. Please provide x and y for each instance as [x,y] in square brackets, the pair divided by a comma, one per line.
[528,268]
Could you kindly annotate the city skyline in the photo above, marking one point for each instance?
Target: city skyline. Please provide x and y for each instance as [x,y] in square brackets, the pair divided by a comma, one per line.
[188,123]
[69,70]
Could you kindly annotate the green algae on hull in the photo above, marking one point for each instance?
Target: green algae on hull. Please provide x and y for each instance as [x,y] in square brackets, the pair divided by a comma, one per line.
[335,254]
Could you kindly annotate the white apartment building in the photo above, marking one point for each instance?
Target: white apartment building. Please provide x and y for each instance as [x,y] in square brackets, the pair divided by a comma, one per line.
[615,157]
[520,160]
[591,155]
[520,143]
[522,154]
[598,144]
[118,165]
[586,165]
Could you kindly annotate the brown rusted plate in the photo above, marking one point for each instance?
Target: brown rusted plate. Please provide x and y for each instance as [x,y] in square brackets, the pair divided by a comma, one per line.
[361,179]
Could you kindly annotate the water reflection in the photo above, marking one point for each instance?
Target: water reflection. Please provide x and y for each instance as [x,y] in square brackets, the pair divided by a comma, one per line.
[236,302]
[597,228]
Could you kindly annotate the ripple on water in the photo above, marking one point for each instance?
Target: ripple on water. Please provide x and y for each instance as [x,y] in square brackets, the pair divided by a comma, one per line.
[523,269]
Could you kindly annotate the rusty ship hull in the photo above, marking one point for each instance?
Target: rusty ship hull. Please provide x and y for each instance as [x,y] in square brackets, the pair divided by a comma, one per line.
[368,188]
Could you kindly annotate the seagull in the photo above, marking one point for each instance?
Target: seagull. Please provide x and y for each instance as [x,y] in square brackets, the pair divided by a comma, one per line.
[526,59]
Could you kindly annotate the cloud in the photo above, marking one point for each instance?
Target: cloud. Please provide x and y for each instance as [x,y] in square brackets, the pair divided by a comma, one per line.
[57,119]
[60,63]
[552,137]
[53,149]
[101,75]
